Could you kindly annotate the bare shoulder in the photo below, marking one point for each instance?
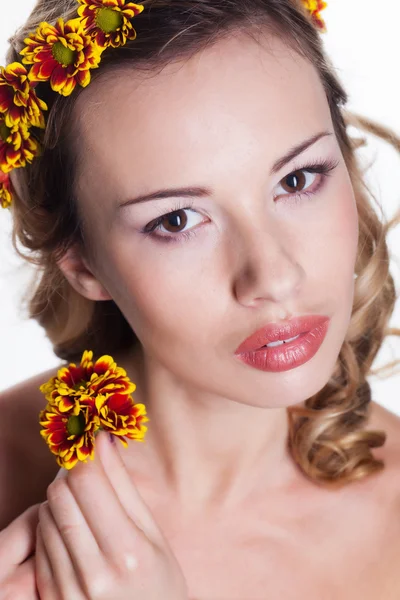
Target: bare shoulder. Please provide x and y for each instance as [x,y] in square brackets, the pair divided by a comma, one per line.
[389,422]
[386,491]
[20,406]
[387,484]
[26,465]
[25,394]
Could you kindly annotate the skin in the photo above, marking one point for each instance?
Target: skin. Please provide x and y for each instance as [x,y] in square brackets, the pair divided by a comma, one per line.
[220,120]
[82,553]
[215,470]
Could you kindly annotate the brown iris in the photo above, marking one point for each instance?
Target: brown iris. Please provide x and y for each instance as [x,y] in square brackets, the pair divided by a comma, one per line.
[175,220]
[295,179]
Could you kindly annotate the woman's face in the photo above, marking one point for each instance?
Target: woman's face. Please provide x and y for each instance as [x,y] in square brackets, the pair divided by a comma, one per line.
[256,245]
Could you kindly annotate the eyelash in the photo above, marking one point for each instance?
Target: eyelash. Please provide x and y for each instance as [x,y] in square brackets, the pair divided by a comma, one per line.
[324,168]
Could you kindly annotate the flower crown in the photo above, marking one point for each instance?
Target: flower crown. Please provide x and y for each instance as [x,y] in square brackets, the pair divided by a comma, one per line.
[63,55]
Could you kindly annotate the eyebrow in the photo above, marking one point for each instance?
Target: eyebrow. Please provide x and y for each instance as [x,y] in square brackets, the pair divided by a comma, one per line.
[199,192]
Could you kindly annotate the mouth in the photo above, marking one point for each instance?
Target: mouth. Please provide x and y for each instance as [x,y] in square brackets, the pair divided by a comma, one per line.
[286,354]
[279,334]
[282,342]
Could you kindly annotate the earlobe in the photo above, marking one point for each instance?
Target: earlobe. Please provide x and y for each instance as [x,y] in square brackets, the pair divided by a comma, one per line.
[78,273]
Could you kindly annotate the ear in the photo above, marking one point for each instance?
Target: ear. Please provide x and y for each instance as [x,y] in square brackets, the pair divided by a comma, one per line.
[77,271]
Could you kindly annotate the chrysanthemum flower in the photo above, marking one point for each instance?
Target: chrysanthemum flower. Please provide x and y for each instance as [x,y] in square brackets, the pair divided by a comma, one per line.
[18,99]
[70,437]
[87,379]
[109,21]
[315,7]
[63,54]
[84,399]
[17,146]
[5,190]
[119,415]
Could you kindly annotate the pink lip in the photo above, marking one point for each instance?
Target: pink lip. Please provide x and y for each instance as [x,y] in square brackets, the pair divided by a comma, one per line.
[289,355]
[274,332]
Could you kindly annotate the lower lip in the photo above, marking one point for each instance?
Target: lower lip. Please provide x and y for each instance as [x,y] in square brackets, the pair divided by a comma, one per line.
[287,356]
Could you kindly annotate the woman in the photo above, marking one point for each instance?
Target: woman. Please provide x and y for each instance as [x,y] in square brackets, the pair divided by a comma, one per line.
[203,193]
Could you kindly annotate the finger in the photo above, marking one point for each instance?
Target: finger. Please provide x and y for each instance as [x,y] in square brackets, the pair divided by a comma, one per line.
[111,527]
[17,541]
[57,571]
[71,523]
[22,584]
[126,490]
[43,570]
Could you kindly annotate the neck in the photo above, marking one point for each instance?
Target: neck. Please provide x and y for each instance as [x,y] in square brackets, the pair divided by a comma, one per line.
[208,452]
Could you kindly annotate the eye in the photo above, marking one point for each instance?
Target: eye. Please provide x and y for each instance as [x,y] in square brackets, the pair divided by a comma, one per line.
[307,180]
[181,222]
[297,181]
[173,225]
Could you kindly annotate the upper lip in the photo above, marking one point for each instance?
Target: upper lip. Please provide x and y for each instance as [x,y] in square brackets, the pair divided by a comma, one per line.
[274,332]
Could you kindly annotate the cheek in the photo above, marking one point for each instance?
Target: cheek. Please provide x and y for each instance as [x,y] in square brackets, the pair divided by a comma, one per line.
[161,306]
[345,231]
[152,300]
[334,250]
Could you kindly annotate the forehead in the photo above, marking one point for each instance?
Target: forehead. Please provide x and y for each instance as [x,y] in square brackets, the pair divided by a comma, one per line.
[230,99]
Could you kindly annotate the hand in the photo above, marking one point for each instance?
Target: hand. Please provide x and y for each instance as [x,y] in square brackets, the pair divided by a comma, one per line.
[17,565]
[97,539]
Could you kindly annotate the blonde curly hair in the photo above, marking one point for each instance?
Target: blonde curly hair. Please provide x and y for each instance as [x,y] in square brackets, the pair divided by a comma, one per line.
[326,437]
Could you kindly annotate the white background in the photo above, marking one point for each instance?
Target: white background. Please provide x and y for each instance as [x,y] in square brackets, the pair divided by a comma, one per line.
[363,43]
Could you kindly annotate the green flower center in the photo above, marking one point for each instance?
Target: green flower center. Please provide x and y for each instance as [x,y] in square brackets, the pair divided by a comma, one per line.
[76,424]
[64,56]
[77,386]
[4,131]
[109,20]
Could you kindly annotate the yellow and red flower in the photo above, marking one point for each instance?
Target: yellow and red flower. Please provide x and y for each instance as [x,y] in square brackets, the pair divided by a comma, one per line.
[109,21]
[84,399]
[18,99]
[5,190]
[87,379]
[70,437]
[17,146]
[63,54]
[315,7]
[120,416]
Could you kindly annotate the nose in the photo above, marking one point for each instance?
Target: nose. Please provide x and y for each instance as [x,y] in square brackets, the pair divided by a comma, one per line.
[268,269]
